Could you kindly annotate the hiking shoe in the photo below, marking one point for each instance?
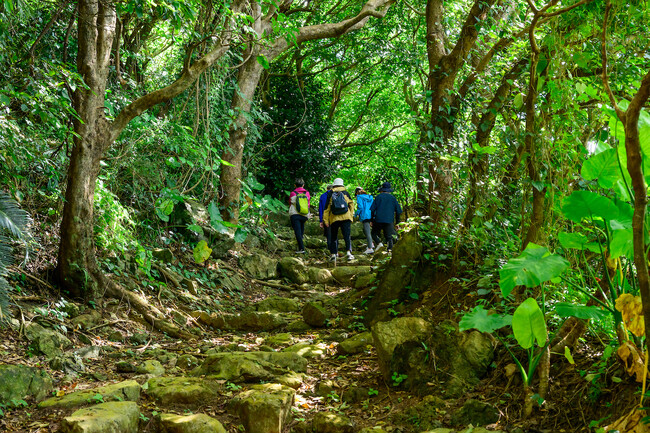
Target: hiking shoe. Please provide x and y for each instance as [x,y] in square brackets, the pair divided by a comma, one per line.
[379,246]
[350,257]
[369,251]
[333,258]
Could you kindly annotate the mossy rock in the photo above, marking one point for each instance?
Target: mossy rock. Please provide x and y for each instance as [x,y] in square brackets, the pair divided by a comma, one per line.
[250,366]
[106,417]
[315,314]
[189,423]
[346,274]
[265,407]
[18,381]
[356,344]
[188,391]
[331,422]
[307,350]
[277,304]
[125,391]
[294,270]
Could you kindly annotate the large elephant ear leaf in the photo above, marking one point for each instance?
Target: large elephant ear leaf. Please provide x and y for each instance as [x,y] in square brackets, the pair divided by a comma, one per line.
[573,240]
[586,204]
[483,321]
[528,324]
[534,266]
[604,167]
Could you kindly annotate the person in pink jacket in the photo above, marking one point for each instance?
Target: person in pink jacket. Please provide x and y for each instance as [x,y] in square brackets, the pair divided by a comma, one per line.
[298,212]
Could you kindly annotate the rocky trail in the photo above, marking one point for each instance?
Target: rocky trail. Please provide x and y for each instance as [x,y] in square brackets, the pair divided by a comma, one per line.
[271,342]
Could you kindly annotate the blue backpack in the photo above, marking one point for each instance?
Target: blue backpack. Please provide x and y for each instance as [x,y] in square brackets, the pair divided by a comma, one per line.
[339,205]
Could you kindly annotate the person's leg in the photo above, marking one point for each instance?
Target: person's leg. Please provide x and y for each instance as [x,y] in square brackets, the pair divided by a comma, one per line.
[301,225]
[295,224]
[366,231]
[374,233]
[327,233]
[334,233]
[346,225]
[390,232]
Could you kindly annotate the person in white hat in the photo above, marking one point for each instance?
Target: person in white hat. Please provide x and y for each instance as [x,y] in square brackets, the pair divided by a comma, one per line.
[338,213]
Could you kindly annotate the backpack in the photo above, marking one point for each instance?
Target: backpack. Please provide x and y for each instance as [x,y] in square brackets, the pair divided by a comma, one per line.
[302,203]
[339,204]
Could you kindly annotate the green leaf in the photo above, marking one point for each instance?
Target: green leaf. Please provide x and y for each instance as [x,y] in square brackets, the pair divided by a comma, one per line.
[201,252]
[528,324]
[579,311]
[604,167]
[481,320]
[573,240]
[567,354]
[624,219]
[241,235]
[519,101]
[586,204]
[622,244]
[262,60]
[196,228]
[534,266]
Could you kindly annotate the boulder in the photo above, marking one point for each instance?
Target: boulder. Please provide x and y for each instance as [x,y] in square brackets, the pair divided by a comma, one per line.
[105,417]
[187,391]
[365,280]
[319,275]
[163,255]
[354,395]
[277,304]
[475,412]
[280,218]
[249,321]
[92,352]
[259,266]
[346,274]
[46,341]
[279,339]
[312,228]
[307,350]
[87,320]
[250,366]
[315,314]
[221,243]
[298,326]
[125,391]
[293,379]
[388,335]
[356,344]
[187,362]
[326,421]
[71,364]
[18,381]
[151,367]
[293,269]
[325,388]
[396,277]
[315,242]
[190,212]
[189,423]
[265,407]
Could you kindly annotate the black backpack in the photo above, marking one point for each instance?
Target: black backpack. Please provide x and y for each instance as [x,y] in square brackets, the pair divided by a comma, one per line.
[338,205]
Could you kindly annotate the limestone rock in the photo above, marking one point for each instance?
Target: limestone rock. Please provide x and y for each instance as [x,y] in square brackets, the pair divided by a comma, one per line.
[250,366]
[390,334]
[315,242]
[277,304]
[259,266]
[163,255]
[320,275]
[189,423]
[46,341]
[294,270]
[331,422]
[221,244]
[292,379]
[105,417]
[344,275]
[279,339]
[315,314]
[18,381]
[312,228]
[265,407]
[87,320]
[475,412]
[187,361]
[71,364]
[298,326]
[125,391]
[325,387]
[307,350]
[250,321]
[151,367]
[188,391]
[356,344]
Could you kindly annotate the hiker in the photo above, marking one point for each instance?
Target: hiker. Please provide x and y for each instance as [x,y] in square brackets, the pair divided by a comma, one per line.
[299,202]
[322,201]
[385,212]
[364,201]
[338,213]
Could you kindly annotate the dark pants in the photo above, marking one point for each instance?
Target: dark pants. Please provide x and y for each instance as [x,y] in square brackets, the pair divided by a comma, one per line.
[327,233]
[345,230]
[298,224]
[387,229]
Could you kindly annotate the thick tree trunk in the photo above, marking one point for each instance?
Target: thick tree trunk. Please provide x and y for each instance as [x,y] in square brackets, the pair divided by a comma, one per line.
[247,80]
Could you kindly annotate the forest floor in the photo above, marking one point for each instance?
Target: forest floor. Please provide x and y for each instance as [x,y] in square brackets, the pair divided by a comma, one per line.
[583,396]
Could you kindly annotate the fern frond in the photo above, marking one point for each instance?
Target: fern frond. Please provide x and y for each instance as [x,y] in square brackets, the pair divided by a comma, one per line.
[5,314]
[12,218]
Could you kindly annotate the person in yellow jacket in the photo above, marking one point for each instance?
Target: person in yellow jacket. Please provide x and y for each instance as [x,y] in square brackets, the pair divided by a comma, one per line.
[338,213]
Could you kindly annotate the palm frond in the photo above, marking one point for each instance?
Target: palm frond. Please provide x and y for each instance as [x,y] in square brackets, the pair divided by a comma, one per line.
[12,218]
[4,300]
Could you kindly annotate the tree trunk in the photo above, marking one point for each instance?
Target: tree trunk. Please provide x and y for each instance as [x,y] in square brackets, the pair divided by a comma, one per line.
[247,80]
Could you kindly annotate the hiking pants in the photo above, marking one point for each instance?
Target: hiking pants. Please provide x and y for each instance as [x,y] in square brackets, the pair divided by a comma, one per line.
[345,230]
[367,230]
[388,230]
[298,224]
[327,233]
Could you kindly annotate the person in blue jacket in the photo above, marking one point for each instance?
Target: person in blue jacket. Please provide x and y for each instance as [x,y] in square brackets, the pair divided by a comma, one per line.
[385,213]
[364,201]
[322,201]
